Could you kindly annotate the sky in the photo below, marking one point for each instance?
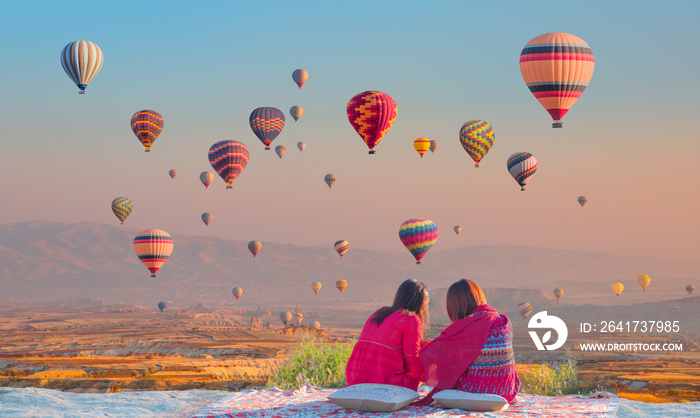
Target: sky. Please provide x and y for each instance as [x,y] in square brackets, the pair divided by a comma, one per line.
[629,144]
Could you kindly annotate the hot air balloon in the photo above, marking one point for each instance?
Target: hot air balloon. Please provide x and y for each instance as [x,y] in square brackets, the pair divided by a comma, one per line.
[254,247]
[522,165]
[341,285]
[558,293]
[418,235]
[617,288]
[315,324]
[690,289]
[285,317]
[173,173]
[372,113]
[153,247]
[422,145]
[329,179]
[280,150]
[457,229]
[266,123]
[206,218]
[433,145]
[162,306]
[582,200]
[121,206]
[300,76]
[147,125]
[237,292]
[316,286]
[206,178]
[228,158]
[296,112]
[301,145]
[477,138]
[81,60]
[644,281]
[557,68]
[298,317]
[341,246]
[525,309]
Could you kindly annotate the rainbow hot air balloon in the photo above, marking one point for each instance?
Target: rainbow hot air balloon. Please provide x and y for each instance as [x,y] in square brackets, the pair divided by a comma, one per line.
[147,125]
[557,68]
[301,145]
[329,179]
[690,289]
[316,286]
[477,138]
[341,285]
[237,292]
[254,247]
[558,293]
[300,76]
[267,123]
[457,229]
[121,206]
[153,247]
[315,324]
[582,200]
[206,178]
[525,309]
[372,113]
[296,112]
[644,281]
[162,306]
[285,316]
[206,218]
[522,165]
[433,145]
[172,173]
[280,150]
[617,288]
[81,60]
[418,235]
[422,145]
[228,158]
[341,246]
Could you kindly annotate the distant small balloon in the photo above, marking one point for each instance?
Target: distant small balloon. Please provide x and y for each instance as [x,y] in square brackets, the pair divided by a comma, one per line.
[315,324]
[341,285]
[162,306]
[298,317]
[329,179]
[644,281]
[522,165]
[173,173]
[206,178]
[617,288]
[558,293]
[301,145]
[316,286]
[206,218]
[285,317]
[525,309]
[341,246]
[254,247]
[237,292]
[122,207]
[458,229]
[582,200]
[690,289]
[296,112]
[280,150]
[267,123]
[422,145]
[433,145]
[300,76]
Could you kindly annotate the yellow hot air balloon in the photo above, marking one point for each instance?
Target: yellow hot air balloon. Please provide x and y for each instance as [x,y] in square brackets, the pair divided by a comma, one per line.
[644,281]
[422,145]
[341,285]
[316,286]
[618,288]
[558,293]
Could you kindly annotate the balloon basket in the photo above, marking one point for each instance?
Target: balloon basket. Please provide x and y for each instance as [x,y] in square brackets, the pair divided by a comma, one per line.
[153,275]
[147,150]
[417,262]
[267,148]
[522,189]
[557,124]
[229,187]
[372,152]
[476,165]
[81,92]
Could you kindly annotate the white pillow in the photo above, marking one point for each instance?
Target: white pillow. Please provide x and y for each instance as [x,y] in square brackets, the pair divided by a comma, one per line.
[470,401]
[373,397]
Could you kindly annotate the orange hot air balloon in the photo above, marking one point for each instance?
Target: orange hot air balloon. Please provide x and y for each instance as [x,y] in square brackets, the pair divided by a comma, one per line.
[372,113]
[341,285]
[557,68]
[316,286]
[237,292]
[422,145]
[172,173]
[153,247]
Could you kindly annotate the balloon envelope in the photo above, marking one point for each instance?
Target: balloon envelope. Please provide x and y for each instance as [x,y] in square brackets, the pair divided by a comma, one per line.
[206,178]
[237,292]
[522,165]
[422,145]
[558,293]
[690,289]
[644,281]
[296,112]
[267,123]
[418,235]
[153,247]
[457,229]
[316,286]
[162,306]
[618,288]
[285,317]
[254,247]
[372,113]
[329,179]
[476,137]
[228,158]
[147,125]
[298,317]
[582,200]
[300,76]
[433,145]
[301,145]
[172,173]
[206,218]
[341,246]
[122,207]
[81,60]
[525,309]
[341,285]
[280,150]
[315,324]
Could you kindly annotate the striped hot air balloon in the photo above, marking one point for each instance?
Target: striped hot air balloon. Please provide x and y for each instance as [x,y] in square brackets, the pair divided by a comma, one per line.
[316,286]
[477,138]
[254,247]
[582,200]
[298,317]
[525,309]
[418,235]
[557,68]
[121,206]
[422,145]
[228,158]
[300,76]
[690,288]
[341,246]
[147,125]
[329,179]
[81,60]
[301,145]
[296,112]
[206,218]
[267,123]
[280,150]
[206,178]
[153,247]
[172,173]
[237,292]
[162,306]
[341,285]
[372,113]
[522,165]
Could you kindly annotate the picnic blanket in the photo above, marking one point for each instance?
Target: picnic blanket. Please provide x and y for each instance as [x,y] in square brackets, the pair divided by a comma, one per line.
[310,401]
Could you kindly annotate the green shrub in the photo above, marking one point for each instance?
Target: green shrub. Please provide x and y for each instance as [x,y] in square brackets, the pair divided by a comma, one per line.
[563,380]
[316,364]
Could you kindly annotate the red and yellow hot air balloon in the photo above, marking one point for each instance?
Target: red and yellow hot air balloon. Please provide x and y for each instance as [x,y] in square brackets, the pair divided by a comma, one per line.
[422,145]
[147,125]
[341,285]
[153,247]
[557,68]
[372,113]
[418,235]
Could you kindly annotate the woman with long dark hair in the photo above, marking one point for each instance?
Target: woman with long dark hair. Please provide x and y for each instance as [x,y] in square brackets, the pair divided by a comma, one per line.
[475,353]
[387,351]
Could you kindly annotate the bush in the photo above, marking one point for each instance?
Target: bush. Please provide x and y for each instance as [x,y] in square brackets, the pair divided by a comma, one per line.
[317,365]
[564,380]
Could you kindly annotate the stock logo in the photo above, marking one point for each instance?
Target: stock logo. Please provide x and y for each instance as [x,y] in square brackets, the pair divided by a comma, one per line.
[543,321]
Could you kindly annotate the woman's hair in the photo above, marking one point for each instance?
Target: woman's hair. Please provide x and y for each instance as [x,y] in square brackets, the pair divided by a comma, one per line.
[412,296]
[462,298]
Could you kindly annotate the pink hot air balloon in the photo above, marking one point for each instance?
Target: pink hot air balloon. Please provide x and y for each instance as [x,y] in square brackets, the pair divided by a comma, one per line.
[418,235]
